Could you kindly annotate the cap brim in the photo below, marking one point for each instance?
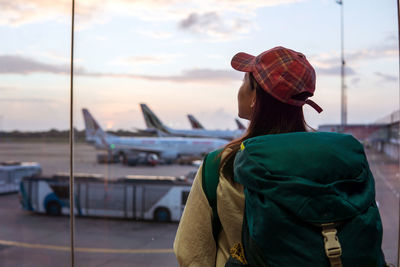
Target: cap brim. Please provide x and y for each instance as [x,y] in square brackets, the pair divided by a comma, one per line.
[243,62]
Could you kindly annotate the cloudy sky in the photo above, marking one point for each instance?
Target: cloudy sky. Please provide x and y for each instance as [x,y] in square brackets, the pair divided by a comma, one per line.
[175,56]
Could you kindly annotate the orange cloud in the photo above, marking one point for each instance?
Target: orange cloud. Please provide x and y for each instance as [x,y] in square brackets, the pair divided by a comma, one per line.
[17,12]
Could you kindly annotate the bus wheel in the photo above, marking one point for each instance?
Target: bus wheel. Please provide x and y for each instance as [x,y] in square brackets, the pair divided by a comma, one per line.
[162,215]
[53,208]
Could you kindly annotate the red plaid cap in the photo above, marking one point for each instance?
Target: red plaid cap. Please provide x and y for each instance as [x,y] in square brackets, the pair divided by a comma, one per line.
[281,72]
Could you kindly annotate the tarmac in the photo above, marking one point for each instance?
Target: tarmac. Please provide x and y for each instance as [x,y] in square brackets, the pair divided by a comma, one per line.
[387,187]
[29,240]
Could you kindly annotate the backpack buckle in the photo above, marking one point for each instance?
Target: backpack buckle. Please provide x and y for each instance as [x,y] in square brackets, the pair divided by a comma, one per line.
[332,245]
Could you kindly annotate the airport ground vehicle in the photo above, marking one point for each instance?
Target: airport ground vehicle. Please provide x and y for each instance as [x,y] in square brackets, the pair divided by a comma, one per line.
[159,198]
[11,174]
[140,158]
[107,158]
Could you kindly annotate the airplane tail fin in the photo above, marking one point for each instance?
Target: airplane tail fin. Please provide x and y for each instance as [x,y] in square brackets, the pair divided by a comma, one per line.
[194,122]
[94,133]
[240,125]
[151,120]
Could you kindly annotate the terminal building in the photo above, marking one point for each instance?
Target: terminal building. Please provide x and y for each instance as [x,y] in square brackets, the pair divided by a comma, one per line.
[383,134]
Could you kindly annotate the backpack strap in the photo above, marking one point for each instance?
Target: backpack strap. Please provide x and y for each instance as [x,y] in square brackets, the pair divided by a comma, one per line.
[210,180]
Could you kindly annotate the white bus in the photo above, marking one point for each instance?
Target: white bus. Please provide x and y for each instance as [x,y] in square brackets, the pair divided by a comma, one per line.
[159,198]
[11,174]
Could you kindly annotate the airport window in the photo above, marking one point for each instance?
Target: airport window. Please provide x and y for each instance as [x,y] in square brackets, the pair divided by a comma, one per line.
[154,92]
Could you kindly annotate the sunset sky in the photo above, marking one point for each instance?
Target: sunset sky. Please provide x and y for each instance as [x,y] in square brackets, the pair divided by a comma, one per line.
[175,56]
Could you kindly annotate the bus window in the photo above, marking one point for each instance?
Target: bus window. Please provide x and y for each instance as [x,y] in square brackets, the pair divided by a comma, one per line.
[153,194]
[3,177]
[61,190]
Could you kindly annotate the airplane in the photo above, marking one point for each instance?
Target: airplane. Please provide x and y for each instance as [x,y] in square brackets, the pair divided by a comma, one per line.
[197,125]
[153,122]
[194,122]
[167,149]
[240,125]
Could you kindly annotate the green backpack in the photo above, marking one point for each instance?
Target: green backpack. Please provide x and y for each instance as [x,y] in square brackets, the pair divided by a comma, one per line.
[309,201]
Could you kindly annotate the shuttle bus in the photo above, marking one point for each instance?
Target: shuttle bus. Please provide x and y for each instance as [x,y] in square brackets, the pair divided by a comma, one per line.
[159,198]
[11,174]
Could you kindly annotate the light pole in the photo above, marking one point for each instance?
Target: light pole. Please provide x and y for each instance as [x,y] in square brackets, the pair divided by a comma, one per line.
[71,144]
[343,114]
[398,34]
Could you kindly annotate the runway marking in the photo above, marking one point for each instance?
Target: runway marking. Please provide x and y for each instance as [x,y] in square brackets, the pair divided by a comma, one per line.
[89,250]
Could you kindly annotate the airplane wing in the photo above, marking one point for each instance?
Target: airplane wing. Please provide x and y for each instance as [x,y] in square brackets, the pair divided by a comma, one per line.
[147,131]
